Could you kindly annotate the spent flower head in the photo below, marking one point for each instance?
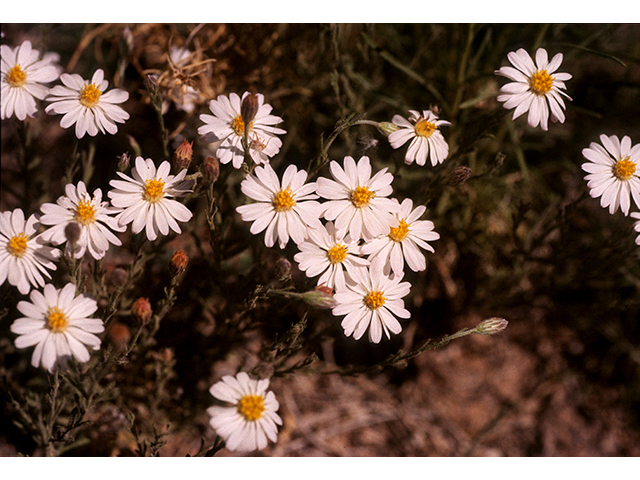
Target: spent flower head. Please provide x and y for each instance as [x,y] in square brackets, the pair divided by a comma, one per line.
[426,139]
[536,88]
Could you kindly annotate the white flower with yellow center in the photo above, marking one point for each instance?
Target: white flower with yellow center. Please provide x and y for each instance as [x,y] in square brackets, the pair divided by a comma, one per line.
[613,172]
[227,126]
[92,216]
[23,256]
[147,198]
[536,88]
[357,201]
[284,210]
[250,419]
[58,323]
[372,303]
[85,104]
[426,139]
[404,240]
[22,76]
[636,225]
[331,255]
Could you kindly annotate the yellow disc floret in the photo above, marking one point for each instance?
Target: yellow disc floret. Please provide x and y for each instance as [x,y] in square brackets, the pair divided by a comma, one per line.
[283,200]
[374,300]
[624,169]
[251,407]
[238,126]
[16,76]
[361,196]
[85,213]
[153,190]
[17,245]
[57,321]
[540,82]
[337,254]
[424,128]
[90,95]
[398,233]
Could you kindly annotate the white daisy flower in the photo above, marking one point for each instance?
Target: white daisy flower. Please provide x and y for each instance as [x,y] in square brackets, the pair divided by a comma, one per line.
[613,172]
[426,139]
[23,256]
[372,303]
[251,418]
[402,242]
[534,89]
[147,198]
[636,225]
[284,211]
[91,214]
[22,76]
[329,254]
[357,201]
[226,125]
[58,324]
[86,104]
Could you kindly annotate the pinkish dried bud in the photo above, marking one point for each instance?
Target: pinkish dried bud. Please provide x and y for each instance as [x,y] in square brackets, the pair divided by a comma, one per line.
[491,326]
[249,108]
[183,155]
[141,310]
[459,175]
[210,170]
[320,297]
[119,335]
[386,128]
[178,263]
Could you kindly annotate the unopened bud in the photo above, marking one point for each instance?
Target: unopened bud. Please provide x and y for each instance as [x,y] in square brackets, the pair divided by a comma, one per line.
[124,161]
[118,277]
[491,326]
[387,127]
[459,175]
[119,335]
[72,231]
[249,108]
[283,268]
[210,170]
[178,262]
[141,310]
[183,155]
[320,297]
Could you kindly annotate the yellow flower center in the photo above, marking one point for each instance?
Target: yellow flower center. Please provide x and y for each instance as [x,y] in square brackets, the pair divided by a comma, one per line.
[541,82]
[337,254]
[85,213]
[283,200]
[361,196]
[398,233]
[238,126]
[90,96]
[153,190]
[624,169]
[16,76]
[57,321]
[374,300]
[251,407]
[424,128]
[17,245]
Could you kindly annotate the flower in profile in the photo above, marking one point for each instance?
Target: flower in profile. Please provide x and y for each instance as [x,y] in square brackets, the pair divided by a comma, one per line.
[357,200]
[536,88]
[226,125]
[286,209]
[250,419]
[147,198]
[636,225]
[329,254]
[426,138]
[613,172]
[372,303]
[404,240]
[87,217]
[58,323]
[24,258]
[86,104]
[22,78]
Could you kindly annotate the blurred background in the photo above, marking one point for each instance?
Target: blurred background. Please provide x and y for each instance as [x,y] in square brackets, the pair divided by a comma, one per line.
[520,239]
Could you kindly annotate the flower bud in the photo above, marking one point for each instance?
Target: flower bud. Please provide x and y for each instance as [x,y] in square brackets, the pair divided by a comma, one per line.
[124,161]
[320,297]
[183,155]
[119,335]
[283,268]
[72,231]
[178,262]
[118,277]
[459,175]
[386,128]
[491,326]
[141,310]
[249,108]
[210,170]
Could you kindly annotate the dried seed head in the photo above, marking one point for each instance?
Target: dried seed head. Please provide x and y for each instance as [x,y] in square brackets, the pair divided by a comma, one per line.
[178,263]
[141,310]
